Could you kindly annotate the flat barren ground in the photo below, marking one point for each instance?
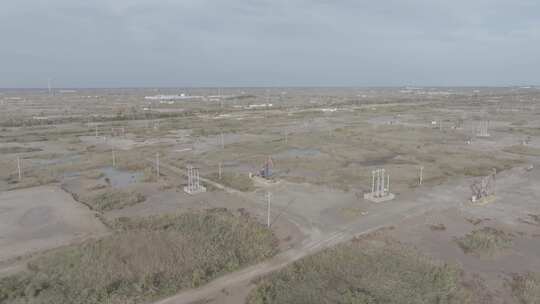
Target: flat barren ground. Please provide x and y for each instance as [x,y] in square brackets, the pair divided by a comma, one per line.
[89,160]
[41,218]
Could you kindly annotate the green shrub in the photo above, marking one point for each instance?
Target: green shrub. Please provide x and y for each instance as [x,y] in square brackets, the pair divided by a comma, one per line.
[485,242]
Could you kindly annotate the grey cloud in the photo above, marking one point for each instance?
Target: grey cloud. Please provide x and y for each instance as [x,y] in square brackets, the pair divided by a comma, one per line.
[263,42]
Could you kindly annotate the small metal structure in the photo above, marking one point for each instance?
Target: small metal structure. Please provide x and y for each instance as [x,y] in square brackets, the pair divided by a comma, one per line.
[193,183]
[49,87]
[482,129]
[268,196]
[437,124]
[222,141]
[526,141]
[157,165]
[118,131]
[113,158]
[266,171]
[483,190]
[380,187]
[19,167]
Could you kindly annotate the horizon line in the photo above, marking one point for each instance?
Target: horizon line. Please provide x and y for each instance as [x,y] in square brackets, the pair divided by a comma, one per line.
[537,86]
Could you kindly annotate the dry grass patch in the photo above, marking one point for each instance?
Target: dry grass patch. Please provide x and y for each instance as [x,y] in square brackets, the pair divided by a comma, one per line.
[238,181]
[17,149]
[485,242]
[93,174]
[31,179]
[535,218]
[437,227]
[523,150]
[111,199]
[526,288]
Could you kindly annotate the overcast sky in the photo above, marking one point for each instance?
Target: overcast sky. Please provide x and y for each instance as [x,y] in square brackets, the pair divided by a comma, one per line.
[121,43]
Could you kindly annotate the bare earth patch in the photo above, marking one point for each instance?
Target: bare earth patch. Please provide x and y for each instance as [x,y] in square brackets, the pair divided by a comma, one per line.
[41,218]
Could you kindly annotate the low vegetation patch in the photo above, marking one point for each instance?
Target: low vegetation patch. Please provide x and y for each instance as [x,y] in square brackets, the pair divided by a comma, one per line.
[485,242]
[94,174]
[31,179]
[525,131]
[484,170]
[523,150]
[17,149]
[236,181]
[535,218]
[532,219]
[352,212]
[521,122]
[111,199]
[474,221]
[437,227]
[149,175]
[363,272]
[526,288]
[143,260]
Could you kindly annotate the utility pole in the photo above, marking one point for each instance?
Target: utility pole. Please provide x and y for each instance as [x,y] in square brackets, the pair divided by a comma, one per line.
[268,196]
[222,141]
[267,103]
[19,167]
[373,181]
[190,179]
[49,86]
[157,165]
[220,98]
[421,175]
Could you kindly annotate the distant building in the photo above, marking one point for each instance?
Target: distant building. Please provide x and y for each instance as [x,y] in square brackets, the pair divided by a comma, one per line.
[172,97]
